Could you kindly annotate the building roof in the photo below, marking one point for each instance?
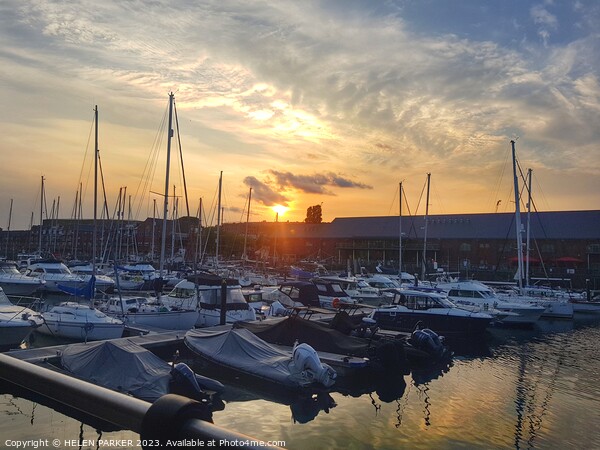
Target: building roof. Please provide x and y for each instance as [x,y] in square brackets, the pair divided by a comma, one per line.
[544,225]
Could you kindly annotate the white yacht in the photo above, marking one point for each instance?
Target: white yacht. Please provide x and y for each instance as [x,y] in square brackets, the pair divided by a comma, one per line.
[204,296]
[14,282]
[16,323]
[104,283]
[55,274]
[80,322]
[474,295]
[358,289]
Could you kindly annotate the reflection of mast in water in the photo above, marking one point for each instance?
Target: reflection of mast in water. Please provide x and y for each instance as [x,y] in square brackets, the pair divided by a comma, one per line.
[424,392]
[401,407]
[526,397]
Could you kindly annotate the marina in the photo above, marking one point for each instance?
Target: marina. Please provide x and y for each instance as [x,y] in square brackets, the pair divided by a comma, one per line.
[519,388]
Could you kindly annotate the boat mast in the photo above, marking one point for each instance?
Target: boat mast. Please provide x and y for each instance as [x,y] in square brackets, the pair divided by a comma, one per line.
[41,219]
[244,255]
[425,232]
[163,242]
[95,227]
[8,229]
[517,220]
[528,226]
[218,221]
[400,233]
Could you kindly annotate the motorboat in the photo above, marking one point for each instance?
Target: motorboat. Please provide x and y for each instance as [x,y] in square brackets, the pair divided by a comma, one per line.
[476,296]
[124,366]
[55,274]
[144,312]
[433,310]
[202,293]
[358,289]
[555,307]
[81,322]
[16,323]
[331,293]
[15,283]
[241,351]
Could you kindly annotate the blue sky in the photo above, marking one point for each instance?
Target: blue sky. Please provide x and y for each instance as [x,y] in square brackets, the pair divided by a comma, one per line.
[310,102]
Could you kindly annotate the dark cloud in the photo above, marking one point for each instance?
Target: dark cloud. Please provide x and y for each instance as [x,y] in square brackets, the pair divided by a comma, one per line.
[315,184]
[264,193]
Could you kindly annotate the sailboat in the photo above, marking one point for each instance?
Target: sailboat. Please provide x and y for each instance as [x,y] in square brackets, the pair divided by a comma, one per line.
[144,312]
[554,307]
[73,320]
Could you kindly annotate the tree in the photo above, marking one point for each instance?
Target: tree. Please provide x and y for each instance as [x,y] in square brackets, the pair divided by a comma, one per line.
[314,214]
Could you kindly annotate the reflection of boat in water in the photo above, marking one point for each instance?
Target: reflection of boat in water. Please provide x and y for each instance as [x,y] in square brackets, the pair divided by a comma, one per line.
[241,351]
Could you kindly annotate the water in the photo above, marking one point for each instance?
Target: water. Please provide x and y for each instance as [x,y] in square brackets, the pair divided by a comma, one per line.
[521,389]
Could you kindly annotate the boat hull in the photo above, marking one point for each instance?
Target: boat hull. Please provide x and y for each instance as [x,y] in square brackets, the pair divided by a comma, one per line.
[89,331]
[12,334]
[444,324]
[166,320]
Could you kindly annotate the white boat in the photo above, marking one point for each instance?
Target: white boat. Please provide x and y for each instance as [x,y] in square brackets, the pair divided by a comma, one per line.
[474,295]
[554,307]
[331,293]
[14,282]
[16,323]
[81,322]
[104,283]
[358,289]
[142,312]
[433,310]
[585,306]
[203,295]
[55,274]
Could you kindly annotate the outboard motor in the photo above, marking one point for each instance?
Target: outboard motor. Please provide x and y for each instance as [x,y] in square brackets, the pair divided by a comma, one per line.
[428,341]
[307,361]
[183,382]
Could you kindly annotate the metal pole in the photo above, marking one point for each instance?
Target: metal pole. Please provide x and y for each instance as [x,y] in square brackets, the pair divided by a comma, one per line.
[173,412]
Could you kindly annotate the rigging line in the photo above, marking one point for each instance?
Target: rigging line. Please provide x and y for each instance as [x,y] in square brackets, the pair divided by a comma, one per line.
[498,185]
[150,166]
[187,204]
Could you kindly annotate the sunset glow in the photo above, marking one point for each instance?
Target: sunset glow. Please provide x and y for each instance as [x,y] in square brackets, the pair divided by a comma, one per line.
[280,209]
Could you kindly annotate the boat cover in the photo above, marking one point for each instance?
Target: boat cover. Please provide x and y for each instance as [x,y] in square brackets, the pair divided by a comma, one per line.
[119,365]
[319,335]
[241,350]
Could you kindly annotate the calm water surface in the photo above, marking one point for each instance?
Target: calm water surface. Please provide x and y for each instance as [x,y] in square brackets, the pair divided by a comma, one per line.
[520,389]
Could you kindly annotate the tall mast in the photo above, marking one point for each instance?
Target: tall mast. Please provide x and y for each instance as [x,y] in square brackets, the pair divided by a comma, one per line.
[425,232]
[8,229]
[41,219]
[517,220]
[95,228]
[218,221]
[245,255]
[528,226]
[400,233]
[163,243]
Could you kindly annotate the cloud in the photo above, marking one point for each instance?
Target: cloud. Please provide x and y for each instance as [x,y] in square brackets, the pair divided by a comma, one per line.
[264,193]
[315,184]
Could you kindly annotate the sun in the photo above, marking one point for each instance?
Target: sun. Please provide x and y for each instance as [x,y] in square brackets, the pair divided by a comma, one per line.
[280,209]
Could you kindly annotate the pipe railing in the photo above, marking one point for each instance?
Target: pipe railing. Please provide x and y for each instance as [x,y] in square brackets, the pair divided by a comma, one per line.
[171,417]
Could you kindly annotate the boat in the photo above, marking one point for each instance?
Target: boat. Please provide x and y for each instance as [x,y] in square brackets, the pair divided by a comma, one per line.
[138,311]
[202,292]
[331,294]
[123,366]
[72,320]
[15,283]
[243,352]
[104,283]
[411,307]
[358,289]
[55,274]
[345,337]
[16,323]
[476,296]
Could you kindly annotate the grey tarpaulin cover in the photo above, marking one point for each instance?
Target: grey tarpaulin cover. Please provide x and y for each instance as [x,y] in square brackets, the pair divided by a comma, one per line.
[241,350]
[119,365]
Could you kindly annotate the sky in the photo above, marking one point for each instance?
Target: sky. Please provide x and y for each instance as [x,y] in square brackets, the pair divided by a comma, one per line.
[330,103]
